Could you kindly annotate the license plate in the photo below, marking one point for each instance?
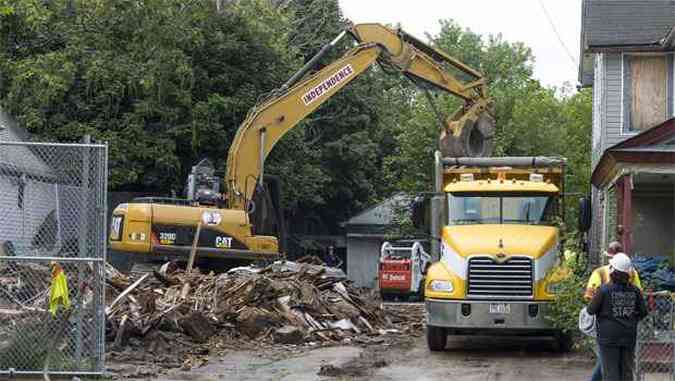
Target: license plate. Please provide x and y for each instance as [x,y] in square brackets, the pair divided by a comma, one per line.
[500,308]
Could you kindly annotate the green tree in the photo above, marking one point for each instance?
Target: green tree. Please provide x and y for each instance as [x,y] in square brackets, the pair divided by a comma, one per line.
[164,82]
[168,82]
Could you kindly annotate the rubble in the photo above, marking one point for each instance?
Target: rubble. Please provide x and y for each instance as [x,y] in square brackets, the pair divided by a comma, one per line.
[288,335]
[198,327]
[407,317]
[285,303]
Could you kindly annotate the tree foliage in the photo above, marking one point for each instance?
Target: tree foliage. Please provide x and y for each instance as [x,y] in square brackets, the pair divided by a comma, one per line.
[164,82]
[168,82]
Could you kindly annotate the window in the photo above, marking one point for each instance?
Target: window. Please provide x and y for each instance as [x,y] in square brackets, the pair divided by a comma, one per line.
[647,89]
[116,227]
[479,208]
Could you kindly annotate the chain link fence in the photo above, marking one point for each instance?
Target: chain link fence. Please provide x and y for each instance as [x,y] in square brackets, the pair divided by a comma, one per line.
[654,354]
[52,214]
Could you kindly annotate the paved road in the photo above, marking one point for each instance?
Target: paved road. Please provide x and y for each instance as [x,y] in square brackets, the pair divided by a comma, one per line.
[487,358]
[467,358]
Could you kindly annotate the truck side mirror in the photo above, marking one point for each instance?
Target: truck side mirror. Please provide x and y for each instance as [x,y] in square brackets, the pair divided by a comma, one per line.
[417,217]
[585,216]
[419,208]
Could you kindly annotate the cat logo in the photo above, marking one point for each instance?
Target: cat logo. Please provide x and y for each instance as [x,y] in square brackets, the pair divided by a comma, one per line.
[223,242]
[211,218]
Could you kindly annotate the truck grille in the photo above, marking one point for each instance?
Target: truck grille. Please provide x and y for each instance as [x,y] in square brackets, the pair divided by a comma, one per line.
[492,280]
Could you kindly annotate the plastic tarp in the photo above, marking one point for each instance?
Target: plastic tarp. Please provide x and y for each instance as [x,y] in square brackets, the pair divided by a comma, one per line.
[655,272]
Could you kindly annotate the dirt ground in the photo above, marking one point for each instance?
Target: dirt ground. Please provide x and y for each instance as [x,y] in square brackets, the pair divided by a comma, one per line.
[465,358]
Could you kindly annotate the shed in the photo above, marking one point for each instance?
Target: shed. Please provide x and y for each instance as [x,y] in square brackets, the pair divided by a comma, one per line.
[365,234]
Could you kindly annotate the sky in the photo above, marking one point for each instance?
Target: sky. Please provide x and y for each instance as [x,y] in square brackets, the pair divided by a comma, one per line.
[516,20]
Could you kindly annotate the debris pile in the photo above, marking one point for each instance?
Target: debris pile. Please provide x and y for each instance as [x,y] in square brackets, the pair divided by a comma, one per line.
[23,286]
[407,317]
[285,303]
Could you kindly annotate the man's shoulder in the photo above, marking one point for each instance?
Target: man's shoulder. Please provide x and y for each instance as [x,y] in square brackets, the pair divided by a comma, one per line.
[600,272]
[599,269]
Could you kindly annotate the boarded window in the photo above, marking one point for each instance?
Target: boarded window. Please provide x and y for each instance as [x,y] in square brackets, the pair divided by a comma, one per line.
[647,90]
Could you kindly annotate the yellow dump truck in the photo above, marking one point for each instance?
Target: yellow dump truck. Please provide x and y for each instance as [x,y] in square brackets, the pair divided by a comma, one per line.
[495,225]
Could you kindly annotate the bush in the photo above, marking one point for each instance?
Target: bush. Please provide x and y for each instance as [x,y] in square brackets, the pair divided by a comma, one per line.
[564,313]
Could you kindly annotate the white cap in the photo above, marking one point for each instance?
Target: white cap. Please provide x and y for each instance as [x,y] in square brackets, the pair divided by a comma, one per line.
[621,262]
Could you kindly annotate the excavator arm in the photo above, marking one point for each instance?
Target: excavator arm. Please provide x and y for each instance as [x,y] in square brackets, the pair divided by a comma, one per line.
[270,120]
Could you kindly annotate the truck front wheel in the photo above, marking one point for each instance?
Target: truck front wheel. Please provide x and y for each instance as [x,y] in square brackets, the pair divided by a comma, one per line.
[437,338]
[564,342]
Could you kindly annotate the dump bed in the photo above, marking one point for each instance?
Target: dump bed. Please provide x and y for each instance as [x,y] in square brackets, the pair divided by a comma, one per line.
[515,167]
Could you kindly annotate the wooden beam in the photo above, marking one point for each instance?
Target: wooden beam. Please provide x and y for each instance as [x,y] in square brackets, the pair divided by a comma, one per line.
[626,213]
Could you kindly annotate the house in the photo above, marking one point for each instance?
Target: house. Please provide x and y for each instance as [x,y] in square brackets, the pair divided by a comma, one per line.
[39,209]
[365,234]
[27,197]
[627,51]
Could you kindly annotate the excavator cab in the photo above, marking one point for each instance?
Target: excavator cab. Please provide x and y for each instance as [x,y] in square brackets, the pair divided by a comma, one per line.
[264,209]
[203,187]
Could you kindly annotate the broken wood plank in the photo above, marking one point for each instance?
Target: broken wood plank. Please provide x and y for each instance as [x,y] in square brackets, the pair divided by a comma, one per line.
[119,336]
[124,293]
[191,261]
[193,249]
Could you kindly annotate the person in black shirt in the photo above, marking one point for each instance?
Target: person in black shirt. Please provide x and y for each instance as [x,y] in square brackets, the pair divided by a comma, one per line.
[619,307]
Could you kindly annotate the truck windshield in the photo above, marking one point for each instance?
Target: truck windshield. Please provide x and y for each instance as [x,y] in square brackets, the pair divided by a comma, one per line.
[468,209]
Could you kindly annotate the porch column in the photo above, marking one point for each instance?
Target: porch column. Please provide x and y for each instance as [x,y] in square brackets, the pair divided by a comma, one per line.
[624,193]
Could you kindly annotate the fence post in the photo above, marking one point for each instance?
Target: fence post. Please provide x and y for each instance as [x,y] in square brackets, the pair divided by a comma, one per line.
[82,247]
[102,176]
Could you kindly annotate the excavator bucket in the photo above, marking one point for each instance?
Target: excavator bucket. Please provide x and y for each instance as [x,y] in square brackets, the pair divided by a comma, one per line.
[469,135]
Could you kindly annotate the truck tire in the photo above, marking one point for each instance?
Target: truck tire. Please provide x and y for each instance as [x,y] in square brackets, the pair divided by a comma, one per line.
[437,338]
[420,291]
[564,342]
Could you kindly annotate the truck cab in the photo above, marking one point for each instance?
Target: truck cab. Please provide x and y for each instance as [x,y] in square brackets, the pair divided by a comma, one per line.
[497,224]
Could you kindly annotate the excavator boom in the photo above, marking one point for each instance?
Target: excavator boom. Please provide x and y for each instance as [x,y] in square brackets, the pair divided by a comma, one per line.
[201,225]
[270,120]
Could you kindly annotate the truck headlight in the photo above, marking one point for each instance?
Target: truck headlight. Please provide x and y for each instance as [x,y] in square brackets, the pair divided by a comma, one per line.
[441,286]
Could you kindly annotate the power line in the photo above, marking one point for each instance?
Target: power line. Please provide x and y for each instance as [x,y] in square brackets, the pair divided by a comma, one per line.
[555,30]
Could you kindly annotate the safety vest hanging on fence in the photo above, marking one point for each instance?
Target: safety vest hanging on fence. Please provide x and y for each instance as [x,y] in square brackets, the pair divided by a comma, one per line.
[58,291]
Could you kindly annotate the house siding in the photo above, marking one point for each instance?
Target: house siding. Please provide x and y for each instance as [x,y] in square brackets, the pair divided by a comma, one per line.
[597,110]
[21,221]
[596,232]
[613,100]
[363,256]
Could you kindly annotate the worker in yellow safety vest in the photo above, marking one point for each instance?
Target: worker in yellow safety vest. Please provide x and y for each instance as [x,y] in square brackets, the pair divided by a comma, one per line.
[599,277]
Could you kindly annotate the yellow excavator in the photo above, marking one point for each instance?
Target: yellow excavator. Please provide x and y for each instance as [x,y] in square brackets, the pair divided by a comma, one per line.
[244,222]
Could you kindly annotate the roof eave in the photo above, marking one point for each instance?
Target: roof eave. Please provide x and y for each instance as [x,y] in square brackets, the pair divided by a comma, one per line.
[614,154]
[612,48]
